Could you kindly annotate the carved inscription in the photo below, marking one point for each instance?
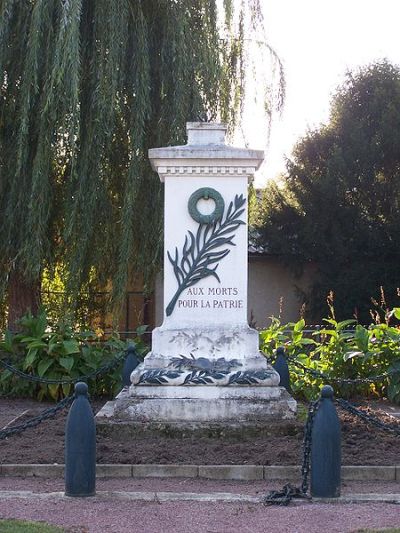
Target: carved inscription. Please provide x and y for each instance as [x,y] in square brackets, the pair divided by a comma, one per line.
[211,298]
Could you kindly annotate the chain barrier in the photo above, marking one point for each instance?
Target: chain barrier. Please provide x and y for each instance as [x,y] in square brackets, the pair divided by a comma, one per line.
[36,379]
[33,422]
[307,441]
[288,492]
[367,418]
[343,381]
[284,496]
[52,411]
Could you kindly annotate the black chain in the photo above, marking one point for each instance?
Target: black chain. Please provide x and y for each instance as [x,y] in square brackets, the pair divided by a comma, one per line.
[284,496]
[307,441]
[33,422]
[345,381]
[367,418]
[36,379]
[288,492]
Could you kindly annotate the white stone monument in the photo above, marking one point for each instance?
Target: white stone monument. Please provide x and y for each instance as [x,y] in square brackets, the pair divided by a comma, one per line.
[205,367]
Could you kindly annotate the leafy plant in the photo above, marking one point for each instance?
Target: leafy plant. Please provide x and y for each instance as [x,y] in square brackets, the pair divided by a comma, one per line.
[340,350]
[290,335]
[59,352]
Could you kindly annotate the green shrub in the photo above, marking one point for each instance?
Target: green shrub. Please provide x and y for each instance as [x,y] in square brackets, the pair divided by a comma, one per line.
[340,350]
[298,347]
[58,352]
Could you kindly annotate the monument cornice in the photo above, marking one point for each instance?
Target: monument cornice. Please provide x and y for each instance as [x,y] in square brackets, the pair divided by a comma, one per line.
[206,154]
[194,170]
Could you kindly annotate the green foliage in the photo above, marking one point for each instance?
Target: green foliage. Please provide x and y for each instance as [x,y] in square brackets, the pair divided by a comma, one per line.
[86,88]
[24,526]
[297,345]
[339,350]
[290,335]
[91,303]
[59,352]
[380,530]
[338,203]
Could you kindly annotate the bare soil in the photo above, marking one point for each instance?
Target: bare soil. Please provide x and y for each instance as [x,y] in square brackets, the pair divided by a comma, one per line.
[281,445]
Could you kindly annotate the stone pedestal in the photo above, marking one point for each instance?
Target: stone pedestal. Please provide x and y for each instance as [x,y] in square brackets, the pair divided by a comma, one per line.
[205,367]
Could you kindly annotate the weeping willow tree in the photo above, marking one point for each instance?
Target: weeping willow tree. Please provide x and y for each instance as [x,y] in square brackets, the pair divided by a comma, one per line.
[87,86]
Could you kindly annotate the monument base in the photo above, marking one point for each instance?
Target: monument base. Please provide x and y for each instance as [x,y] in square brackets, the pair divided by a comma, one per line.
[199,406]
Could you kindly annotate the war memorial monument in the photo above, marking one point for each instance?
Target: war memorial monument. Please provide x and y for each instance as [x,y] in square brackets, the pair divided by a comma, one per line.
[205,368]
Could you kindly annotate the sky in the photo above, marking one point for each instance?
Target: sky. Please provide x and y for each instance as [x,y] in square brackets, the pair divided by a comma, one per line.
[318,41]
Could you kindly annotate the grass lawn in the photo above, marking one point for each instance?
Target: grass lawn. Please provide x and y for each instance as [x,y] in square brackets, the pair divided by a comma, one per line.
[387,530]
[21,526]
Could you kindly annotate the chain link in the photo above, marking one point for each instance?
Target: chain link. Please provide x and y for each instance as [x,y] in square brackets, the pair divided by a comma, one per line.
[367,418]
[36,379]
[307,441]
[284,496]
[33,422]
[345,381]
[288,492]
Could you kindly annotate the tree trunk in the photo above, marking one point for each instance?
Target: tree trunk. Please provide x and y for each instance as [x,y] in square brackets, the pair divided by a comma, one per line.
[23,296]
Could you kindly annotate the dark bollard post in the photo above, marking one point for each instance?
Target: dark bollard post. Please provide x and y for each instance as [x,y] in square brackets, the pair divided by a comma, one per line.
[80,446]
[131,362]
[281,366]
[326,448]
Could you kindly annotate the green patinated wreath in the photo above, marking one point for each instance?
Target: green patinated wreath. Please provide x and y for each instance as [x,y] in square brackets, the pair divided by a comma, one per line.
[206,193]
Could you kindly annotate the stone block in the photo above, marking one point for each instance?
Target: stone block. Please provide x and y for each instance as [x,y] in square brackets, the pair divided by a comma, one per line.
[242,472]
[368,473]
[109,470]
[203,406]
[49,471]
[286,473]
[165,471]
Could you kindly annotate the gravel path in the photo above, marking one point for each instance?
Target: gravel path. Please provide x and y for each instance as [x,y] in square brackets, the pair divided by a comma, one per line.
[95,515]
[186,485]
[113,516]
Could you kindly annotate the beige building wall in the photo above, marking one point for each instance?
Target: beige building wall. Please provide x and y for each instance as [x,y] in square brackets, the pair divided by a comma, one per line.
[269,281]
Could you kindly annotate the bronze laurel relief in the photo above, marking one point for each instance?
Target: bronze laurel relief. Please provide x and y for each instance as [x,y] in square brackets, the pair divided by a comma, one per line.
[206,193]
[202,253]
